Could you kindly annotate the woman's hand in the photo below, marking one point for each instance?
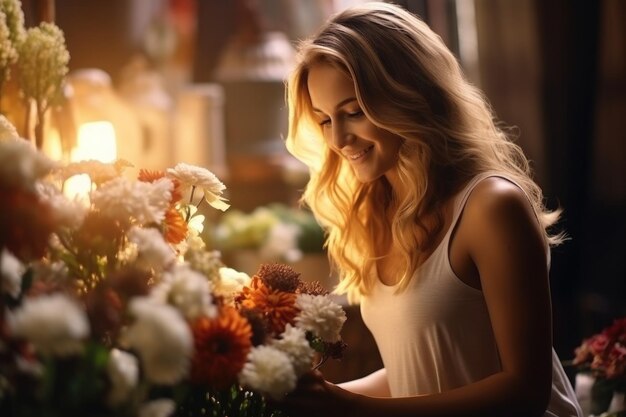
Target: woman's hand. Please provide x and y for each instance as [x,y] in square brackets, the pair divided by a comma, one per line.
[314,396]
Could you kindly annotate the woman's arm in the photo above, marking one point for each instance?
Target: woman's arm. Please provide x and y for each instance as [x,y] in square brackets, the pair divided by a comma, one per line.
[502,237]
[372,385]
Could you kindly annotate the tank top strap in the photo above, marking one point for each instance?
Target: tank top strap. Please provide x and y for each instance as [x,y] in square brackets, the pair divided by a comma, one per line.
[462,197]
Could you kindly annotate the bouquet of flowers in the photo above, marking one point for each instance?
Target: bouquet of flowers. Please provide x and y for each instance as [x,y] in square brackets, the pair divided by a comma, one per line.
[112,304]
[604,356]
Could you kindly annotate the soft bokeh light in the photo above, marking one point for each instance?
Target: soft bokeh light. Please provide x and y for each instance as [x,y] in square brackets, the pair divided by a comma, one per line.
[96,140]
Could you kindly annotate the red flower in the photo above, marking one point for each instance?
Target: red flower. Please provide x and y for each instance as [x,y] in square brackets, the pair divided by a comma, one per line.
[25,223]
[605,352]
[221,348]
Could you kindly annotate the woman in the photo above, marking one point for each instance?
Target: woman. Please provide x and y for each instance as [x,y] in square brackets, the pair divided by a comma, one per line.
[433,221]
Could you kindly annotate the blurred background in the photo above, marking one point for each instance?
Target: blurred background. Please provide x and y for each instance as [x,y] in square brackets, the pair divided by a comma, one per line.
[202,82]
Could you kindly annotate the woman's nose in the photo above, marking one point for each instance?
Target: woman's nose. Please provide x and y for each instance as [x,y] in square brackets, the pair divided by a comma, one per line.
[340,136]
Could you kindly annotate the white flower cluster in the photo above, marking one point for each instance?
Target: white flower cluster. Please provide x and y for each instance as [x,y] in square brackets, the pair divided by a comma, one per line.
[43,63]
[11,271]
[11,34]
[162,338]
[153,252]
[274,368]
[321,316]
[268,370]
[145,202]
[54,324]
[231,282]
[187,290]
[193,176]
[20,163]
[66,213]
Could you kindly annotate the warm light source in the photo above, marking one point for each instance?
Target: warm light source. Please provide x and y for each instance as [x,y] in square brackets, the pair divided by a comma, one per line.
[96,140]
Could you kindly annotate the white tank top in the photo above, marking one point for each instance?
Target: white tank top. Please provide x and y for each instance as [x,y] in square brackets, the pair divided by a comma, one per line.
[436,335]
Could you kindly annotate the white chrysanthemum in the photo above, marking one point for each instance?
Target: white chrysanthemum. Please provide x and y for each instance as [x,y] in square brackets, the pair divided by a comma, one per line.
[54,324]
[11,271]
[282,243]
[146,202]
[231,282]
[99,172]
[194,176]
[268,370]
[294,343]
[21,165]
[321,316]
[162,338]
[66,212]
[123,372]
[7,130]
[152,249]
[187,290]
[162,407]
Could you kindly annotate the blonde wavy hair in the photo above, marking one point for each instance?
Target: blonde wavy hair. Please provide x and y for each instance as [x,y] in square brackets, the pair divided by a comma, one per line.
[409,83]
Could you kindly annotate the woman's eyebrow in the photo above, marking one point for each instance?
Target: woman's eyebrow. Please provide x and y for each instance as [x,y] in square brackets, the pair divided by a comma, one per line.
[341,103]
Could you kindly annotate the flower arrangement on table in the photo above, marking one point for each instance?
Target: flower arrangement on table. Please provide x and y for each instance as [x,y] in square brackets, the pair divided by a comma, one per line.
[112,304]
[275,231]
[603,355]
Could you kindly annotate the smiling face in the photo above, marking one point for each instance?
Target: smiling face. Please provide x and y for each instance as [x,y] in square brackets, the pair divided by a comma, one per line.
[371,151]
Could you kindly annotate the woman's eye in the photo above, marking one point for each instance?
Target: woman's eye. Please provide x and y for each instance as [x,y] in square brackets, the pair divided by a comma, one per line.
[324,122]
[355,114]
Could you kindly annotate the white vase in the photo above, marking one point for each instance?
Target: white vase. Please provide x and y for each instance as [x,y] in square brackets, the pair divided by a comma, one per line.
[582,388]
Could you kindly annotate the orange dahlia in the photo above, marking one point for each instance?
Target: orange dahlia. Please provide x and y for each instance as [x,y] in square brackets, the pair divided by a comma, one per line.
[146,175]
[175,226]
[277,307]
[221,348]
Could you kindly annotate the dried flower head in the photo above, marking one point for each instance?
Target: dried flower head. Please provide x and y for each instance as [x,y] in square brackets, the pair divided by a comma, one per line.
[279,277]
[312,288]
